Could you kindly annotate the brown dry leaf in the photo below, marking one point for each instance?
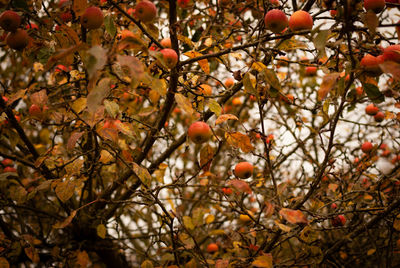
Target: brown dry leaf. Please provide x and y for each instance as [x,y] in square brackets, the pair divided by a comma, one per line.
[224,117]
[328,83]
[392,68]
[221,263]
[371,21]
[32,254]
[97,95]
[142,173]
[64,223]
[239,140]
[39,98]
[65,190]
[293,216]
[206,155]
[82,259]
[4,263]
[269,209]
[79,7]
[73,139]
[264,261]
[283,227]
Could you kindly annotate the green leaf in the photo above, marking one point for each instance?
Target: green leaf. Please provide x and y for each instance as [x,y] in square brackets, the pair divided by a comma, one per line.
[109,25]
[271,78]
[373,93]
[320,41]
[248,83]
[214,107]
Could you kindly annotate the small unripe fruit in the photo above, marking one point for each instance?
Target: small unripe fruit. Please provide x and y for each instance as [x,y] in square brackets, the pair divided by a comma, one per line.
[199,132]
[371,109]
[10,21]
[17,40]
[367,147]
[229,82]
[211,248]
[339,220]
[145,11]
[379,117]
[276,20]
[92,18]
[370,65]
[170,57]
[374,5]
[243,170]
[300,20]
[236,101]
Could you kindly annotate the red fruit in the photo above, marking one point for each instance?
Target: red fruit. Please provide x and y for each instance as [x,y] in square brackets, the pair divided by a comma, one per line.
[311,70]
[17,40]
[7,162]
[243,170]
[183,3]
[276,20]
[199,132]
[32,26]
[211,248]
[339,220]
[374,5]
[379,117]
[92,18]
[170,57]
[35,110]
[370,65]
[145,11]
[371,109]
[9,169]
[227,191]
[359,91]
[333,206]
[333,12]
[66,16]
[300,20]
[10,21]
[166,42]
[367,147]
[274,2]
[236,101]
[60,68]
[392,53]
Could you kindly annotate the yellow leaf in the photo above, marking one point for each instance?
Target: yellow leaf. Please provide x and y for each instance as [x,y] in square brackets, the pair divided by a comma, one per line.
[187,221]
[184,104]
[101,231]
[264,261]
[105,157]
[222,118]
[79,105]
[210,218]
[62,224]
[258,66]
[371,251]
[146,264]
[142,173]
[283,227]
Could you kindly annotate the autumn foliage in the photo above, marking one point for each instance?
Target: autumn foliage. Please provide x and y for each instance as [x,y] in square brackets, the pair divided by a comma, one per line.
[202,133]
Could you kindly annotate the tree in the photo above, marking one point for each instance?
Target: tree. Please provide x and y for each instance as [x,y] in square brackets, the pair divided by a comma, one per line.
[97,166]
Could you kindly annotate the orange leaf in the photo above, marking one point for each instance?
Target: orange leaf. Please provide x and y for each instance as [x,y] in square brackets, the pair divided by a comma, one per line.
[203,63]
[73,139]
[222,118]
[241,186]
[206,155]
[239,140]
[329,81]
[32,254]
[264,261]
[64,223]
[82,259]
[293,216]
[39,98]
